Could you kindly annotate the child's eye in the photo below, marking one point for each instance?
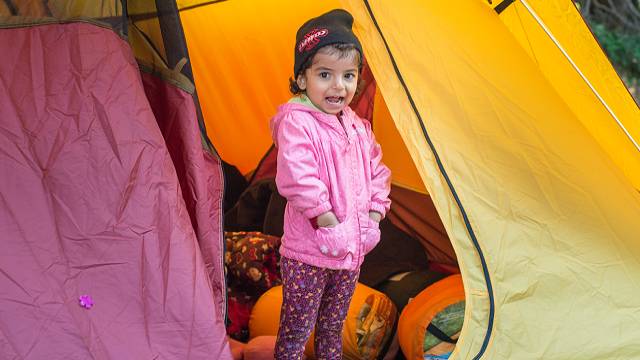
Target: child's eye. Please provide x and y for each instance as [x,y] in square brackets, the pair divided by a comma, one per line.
[324,75]
[350,76]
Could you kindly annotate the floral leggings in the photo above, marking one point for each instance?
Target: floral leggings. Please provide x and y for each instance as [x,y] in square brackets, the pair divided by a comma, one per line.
[313,296]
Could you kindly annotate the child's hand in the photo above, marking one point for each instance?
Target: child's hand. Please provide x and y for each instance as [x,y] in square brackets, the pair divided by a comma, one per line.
[375,216]
[327,219]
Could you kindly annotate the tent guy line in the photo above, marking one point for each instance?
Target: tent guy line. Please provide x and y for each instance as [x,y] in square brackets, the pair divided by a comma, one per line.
[577,69]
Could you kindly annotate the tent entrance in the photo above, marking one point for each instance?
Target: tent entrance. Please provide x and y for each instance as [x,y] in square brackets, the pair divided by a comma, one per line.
[414,253]
[241,77]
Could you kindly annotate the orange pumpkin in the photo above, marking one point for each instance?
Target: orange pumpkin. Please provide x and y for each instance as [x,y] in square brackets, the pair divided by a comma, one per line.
[442,305]
[367,328]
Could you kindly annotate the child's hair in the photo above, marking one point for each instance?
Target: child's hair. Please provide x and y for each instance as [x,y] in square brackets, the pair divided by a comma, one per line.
[343,50]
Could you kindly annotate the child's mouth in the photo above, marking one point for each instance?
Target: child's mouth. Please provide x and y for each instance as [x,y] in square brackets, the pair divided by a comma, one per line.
[334,99]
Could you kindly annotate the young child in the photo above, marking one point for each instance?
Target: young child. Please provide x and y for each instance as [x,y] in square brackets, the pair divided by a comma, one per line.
[330,172]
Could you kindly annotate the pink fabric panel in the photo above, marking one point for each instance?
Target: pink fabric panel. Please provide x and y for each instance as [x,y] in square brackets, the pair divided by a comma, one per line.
[90,204]
[199,172]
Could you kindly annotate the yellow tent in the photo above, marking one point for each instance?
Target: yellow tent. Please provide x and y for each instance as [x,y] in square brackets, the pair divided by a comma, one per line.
[514,122]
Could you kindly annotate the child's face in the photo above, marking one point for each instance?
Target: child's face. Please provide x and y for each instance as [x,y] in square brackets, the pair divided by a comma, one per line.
[331,81]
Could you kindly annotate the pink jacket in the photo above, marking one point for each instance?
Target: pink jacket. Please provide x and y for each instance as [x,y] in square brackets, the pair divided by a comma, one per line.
[322,167]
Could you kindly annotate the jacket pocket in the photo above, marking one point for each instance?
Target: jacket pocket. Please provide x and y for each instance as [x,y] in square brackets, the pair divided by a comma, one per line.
[371,236]
[332,241]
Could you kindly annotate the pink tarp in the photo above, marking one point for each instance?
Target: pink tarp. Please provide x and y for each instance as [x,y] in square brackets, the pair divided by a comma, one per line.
[90,204]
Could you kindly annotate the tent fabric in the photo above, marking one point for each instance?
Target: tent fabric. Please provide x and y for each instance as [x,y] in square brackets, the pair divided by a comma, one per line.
[562,20]
[22,13]
[91,205]
[199,173]
[396,157]
[159,45]
[542,220]
[62,9]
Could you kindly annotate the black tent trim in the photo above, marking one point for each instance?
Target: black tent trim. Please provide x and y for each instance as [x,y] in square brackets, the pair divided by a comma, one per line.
[503,6]
[485,269]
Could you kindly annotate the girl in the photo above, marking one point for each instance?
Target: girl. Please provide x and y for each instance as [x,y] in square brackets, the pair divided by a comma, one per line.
[330,172]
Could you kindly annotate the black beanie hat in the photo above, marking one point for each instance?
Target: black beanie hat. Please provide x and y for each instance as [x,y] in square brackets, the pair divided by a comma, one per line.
[330,28]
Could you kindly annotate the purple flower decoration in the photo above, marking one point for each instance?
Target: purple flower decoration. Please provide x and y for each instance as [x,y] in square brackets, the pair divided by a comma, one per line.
[85,301]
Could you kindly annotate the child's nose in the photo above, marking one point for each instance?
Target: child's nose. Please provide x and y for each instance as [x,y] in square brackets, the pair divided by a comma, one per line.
[339,84]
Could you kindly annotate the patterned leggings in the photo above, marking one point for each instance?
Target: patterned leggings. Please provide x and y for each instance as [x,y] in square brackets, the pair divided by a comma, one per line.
[313,296]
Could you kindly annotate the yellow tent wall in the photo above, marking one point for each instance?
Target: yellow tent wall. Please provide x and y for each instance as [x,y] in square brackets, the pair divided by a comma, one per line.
[553,216]
[396,155]
[573,52]
[535,199]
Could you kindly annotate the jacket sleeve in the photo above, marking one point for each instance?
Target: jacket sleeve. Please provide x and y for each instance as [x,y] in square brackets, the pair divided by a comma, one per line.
[297,173]
[380,178]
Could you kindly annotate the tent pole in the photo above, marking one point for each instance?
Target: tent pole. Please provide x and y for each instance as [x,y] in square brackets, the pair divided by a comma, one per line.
[575,67]
[125,18]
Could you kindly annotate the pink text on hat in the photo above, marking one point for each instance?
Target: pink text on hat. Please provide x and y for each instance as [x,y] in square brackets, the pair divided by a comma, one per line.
[312,39]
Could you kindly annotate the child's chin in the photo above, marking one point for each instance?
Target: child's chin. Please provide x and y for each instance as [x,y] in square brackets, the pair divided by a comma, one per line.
[334,109]
[334,112]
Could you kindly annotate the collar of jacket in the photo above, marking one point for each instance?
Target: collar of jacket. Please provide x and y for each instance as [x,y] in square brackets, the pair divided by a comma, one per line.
[347,116]
[304,100]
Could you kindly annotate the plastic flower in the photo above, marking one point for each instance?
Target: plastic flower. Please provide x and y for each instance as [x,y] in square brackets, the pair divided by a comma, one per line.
[85,301]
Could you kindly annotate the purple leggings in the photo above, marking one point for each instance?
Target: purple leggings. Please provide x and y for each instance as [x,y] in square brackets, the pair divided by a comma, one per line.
[313,296]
